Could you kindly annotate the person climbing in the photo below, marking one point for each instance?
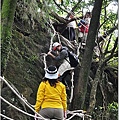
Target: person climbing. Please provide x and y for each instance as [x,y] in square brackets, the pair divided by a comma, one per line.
[51,101]
[84,27]
[62,57]
[71,26]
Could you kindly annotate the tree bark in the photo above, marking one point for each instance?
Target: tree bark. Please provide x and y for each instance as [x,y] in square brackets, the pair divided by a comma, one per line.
[7,18]
[81,86]
[94,88]
[97,79]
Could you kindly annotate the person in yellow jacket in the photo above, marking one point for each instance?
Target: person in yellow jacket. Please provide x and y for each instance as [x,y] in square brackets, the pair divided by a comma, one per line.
[51,101]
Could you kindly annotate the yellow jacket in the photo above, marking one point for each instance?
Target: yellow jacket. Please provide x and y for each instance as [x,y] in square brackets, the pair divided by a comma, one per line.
[51,97]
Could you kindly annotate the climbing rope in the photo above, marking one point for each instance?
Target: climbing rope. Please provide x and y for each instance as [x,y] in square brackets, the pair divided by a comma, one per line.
[72,80]
[20,97]
[8,118]
[54,33]
[73,113]
[72,86]
[58,37]
[23,99]
[20,109]
[50,48]
[72,75]
[44,60]
[79,113]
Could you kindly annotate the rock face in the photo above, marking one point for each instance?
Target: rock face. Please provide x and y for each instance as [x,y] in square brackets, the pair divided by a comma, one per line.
[25,68]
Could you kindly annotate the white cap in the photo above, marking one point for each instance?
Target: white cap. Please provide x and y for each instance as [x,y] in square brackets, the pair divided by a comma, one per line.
[55,45]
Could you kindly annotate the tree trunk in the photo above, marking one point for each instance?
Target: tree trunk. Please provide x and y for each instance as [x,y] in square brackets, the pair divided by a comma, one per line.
[7,18]
[94,88]
[81,86]
[97,79]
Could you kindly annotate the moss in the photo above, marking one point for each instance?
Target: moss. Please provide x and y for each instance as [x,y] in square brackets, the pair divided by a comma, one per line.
[24,65]
[7,16]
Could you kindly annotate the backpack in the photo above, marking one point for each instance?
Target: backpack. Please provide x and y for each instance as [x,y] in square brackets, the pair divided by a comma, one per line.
[74,61]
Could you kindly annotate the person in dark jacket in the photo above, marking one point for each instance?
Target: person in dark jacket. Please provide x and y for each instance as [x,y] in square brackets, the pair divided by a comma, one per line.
[62,57]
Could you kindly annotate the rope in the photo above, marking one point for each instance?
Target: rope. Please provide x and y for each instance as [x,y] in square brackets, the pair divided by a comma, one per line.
[25,101]
[39,116]
[20,109]
[79,113]
[71,116]
[73,113]
[51,41]
[8,118]
[44,60]
[82,115]
[72,79]
[78,49]
[58,37]
[20,97]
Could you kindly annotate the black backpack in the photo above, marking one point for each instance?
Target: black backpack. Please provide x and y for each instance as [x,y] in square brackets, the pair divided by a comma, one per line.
[74,61]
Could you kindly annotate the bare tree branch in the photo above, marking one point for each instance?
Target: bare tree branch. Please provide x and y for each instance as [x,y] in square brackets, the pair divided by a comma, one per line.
[60,7]
[60,19]
[108,44]
[107,33]
[112,51]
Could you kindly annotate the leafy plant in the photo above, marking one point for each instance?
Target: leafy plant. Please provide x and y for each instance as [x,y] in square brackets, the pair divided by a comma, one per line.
[113,111]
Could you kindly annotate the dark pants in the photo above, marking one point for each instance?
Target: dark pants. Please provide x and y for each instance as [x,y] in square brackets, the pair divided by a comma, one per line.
[69,33]
[62,78]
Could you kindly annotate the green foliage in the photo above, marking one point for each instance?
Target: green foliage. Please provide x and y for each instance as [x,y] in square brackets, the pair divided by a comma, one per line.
[111,113]
[113,108]
[5,43]
[7,16]
[113,62]
[32,59]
